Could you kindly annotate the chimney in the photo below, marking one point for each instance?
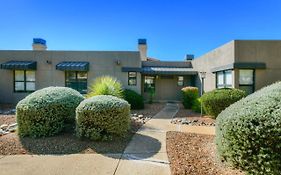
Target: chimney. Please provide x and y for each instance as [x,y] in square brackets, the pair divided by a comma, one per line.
[39,44]
[142,49]
[189,57]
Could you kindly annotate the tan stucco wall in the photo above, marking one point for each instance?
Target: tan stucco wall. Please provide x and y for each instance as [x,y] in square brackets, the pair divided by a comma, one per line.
[267,51]
[101,63]
[220,56]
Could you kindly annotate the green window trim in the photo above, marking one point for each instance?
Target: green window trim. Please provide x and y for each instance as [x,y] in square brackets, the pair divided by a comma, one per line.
[24,81]
[224,79]
[180,81]
[247,87]
[149,83]
[74,80]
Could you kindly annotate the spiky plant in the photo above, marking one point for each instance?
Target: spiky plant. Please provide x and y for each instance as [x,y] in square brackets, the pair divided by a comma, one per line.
[106,85]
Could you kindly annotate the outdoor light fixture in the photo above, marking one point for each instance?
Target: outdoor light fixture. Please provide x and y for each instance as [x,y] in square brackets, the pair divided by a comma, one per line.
[203,76]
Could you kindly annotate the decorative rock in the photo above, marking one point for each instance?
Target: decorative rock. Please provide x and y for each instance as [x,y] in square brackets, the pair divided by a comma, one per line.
[140,116]
[4,127]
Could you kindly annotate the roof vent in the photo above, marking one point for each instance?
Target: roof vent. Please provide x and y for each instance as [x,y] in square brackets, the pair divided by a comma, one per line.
[39,44]
[142,41]
[189,57]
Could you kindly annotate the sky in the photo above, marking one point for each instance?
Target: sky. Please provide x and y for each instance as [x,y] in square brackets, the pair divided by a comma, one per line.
[173,28]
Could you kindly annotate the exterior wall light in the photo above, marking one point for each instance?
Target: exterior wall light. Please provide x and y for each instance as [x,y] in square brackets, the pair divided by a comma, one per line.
[203,76]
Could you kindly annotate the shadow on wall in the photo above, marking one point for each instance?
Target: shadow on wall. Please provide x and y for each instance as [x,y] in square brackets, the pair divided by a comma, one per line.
[69,144]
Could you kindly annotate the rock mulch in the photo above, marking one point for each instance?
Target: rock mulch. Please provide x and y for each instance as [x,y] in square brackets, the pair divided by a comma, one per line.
[68,143]
[189,117]
[194,154]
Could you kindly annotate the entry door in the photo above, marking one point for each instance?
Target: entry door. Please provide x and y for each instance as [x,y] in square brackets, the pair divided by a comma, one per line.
[167,88]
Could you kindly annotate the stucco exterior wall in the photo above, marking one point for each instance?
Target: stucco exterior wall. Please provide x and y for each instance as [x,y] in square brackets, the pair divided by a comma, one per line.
[267,51]
[220,56]
[101,63]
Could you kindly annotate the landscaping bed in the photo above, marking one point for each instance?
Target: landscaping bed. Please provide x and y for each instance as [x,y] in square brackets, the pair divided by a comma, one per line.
[194,154]
[68,143]
[189,117]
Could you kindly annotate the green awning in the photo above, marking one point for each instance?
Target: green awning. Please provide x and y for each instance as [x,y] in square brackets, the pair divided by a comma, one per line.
[73,66]
[19,65]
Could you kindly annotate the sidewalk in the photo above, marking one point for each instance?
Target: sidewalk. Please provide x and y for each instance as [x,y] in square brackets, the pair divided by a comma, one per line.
[146,153]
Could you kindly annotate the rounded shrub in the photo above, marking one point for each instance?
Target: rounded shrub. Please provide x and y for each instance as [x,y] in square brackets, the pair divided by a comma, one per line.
[106,85]
[102,117]
[190,95]
[248,133]
[134,99]
[196,106]
[44,112]
[214,102]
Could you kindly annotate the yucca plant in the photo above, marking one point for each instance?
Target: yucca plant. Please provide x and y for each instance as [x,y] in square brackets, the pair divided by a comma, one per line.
[106,85]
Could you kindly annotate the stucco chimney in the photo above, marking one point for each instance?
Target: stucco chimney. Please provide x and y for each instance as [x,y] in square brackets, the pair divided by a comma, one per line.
[39,44]
[143,49]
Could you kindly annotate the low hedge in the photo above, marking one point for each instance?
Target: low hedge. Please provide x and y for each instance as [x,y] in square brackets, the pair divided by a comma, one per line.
[101,117]
[248,133]
[134,99]
[190,95]
[214,102]
[45,112]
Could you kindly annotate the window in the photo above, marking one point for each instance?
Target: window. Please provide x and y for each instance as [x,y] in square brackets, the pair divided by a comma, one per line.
[76,80]
[246,80]
[132,78]
[24,81]
[149,83]
[180,81]
[224,79]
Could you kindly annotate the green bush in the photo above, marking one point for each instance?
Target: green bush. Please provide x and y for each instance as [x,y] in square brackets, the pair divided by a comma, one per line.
[134,99]
[248,133]
[101,117]
[196,106]
[190,95]
[45,112]
[106,85]
[214,102]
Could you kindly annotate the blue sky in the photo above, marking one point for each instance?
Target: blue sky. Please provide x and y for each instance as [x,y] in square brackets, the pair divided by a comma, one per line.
[172,28]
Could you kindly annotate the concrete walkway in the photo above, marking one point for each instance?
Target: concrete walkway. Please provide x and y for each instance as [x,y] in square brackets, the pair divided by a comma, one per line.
[145,154]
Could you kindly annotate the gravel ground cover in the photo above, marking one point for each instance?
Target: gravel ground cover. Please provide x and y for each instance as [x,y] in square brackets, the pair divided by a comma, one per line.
[188,117]
[68,143]
[194,154]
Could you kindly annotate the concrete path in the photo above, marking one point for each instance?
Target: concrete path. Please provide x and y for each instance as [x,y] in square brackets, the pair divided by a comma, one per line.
[146,153]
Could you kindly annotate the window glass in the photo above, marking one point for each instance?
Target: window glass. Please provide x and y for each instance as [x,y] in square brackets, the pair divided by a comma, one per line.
[132,78]
[220,79]
[82,75]
[149,83]
[30,86]
[180,81]
[30,75]
[228,78]
[19,75]
[246,77]
[77,80]
[19,86]
[247,89]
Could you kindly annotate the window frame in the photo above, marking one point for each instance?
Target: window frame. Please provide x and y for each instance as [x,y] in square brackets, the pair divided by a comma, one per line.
[76,80]
[253,85]
[24,81]
[146,90]
[135,78]
[178,80]
[224,85]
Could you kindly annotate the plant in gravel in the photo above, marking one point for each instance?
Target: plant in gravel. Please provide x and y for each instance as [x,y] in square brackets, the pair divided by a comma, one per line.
[189,95]
[45,112]
[248,133]
[101,117]
[214,102]
[134,99]
[196,106]
[106,85]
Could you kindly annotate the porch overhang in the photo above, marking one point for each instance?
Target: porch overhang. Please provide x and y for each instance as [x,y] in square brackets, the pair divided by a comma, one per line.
[19,65]
[240,65]
[168,71]
[73,66]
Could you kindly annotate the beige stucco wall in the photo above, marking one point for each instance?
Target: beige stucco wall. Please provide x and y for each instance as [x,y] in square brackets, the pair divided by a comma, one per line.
[101,63]
[220,56]
[267,51]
